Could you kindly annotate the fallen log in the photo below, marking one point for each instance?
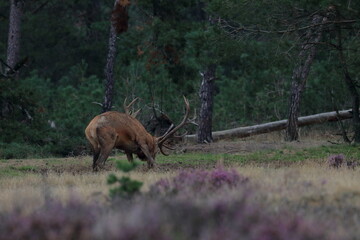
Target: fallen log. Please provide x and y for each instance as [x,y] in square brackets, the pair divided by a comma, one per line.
[242,132]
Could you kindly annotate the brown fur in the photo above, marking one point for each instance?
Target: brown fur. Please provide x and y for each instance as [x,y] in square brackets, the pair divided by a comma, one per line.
[119,130]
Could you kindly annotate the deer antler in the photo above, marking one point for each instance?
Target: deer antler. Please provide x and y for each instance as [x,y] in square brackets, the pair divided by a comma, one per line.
[172,130]
[127,108]
[193,119]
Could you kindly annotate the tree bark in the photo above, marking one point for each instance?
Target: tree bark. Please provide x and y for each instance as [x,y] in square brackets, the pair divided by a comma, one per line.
[350,83]
[13,48]
[299,77]
[355,104]
[119,24]
[204,133]
[277,125]
[109,71]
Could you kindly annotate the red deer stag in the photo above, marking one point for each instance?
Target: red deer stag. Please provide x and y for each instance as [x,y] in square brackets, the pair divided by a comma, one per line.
[123,131]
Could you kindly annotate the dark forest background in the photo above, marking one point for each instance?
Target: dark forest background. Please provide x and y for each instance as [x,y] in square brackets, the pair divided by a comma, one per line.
[253,46]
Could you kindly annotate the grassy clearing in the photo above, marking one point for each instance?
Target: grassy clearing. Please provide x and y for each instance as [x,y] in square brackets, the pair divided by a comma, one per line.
[287,154]
[298,180]
[285,177]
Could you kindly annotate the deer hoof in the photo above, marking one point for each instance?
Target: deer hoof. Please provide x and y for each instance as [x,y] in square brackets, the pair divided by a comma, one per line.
[96,168]
[150,165]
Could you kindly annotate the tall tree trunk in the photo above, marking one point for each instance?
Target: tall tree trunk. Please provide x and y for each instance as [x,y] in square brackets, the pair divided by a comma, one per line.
[300,74]
[109,71]
[350,83]
[13,48]
[204,133]
[119,24]
[355,103]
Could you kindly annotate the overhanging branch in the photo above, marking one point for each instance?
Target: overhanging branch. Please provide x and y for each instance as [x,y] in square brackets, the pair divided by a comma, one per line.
[233,30]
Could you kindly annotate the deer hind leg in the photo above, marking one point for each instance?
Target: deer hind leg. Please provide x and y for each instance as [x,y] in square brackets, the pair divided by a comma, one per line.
[104,154]
[95,151]
[95,158]
[107,142]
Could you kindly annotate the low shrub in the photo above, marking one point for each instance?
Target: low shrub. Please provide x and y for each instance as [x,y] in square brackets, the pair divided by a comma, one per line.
[54,221]
[125,186]
[199,181]
[221,218]
[336,160]
[148,216]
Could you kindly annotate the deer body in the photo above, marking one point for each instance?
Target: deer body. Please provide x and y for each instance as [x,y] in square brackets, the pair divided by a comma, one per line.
[123,131]
[119,130]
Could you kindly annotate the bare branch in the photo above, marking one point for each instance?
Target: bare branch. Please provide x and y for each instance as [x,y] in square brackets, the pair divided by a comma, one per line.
[232,30]
[41,6]
[97,103]
[8,71]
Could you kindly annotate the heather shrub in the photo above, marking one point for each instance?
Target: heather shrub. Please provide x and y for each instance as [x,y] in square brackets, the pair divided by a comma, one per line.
[139,219]
[173,209]
[220,218]
[162,219]
[336,160]
[54,221]
[199,181]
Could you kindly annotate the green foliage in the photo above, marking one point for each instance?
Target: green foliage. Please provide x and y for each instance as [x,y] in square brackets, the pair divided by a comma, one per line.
[21,150]
[127,187]
[159,59]
[126,166]
[42,119]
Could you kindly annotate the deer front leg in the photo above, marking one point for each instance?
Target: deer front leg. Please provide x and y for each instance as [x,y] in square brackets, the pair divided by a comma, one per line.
[150,163]
[129,157]
[150,160]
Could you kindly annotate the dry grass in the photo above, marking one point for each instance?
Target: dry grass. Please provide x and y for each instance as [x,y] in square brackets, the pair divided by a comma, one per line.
[304,180]
[295,183]
[31,190]
[314,191]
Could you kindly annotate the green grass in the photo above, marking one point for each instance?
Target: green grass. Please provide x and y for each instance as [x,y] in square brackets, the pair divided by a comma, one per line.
[25,168]
[350,152]
[189,158]
[10,172]
[112,159]
[14,167]
[287,154]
